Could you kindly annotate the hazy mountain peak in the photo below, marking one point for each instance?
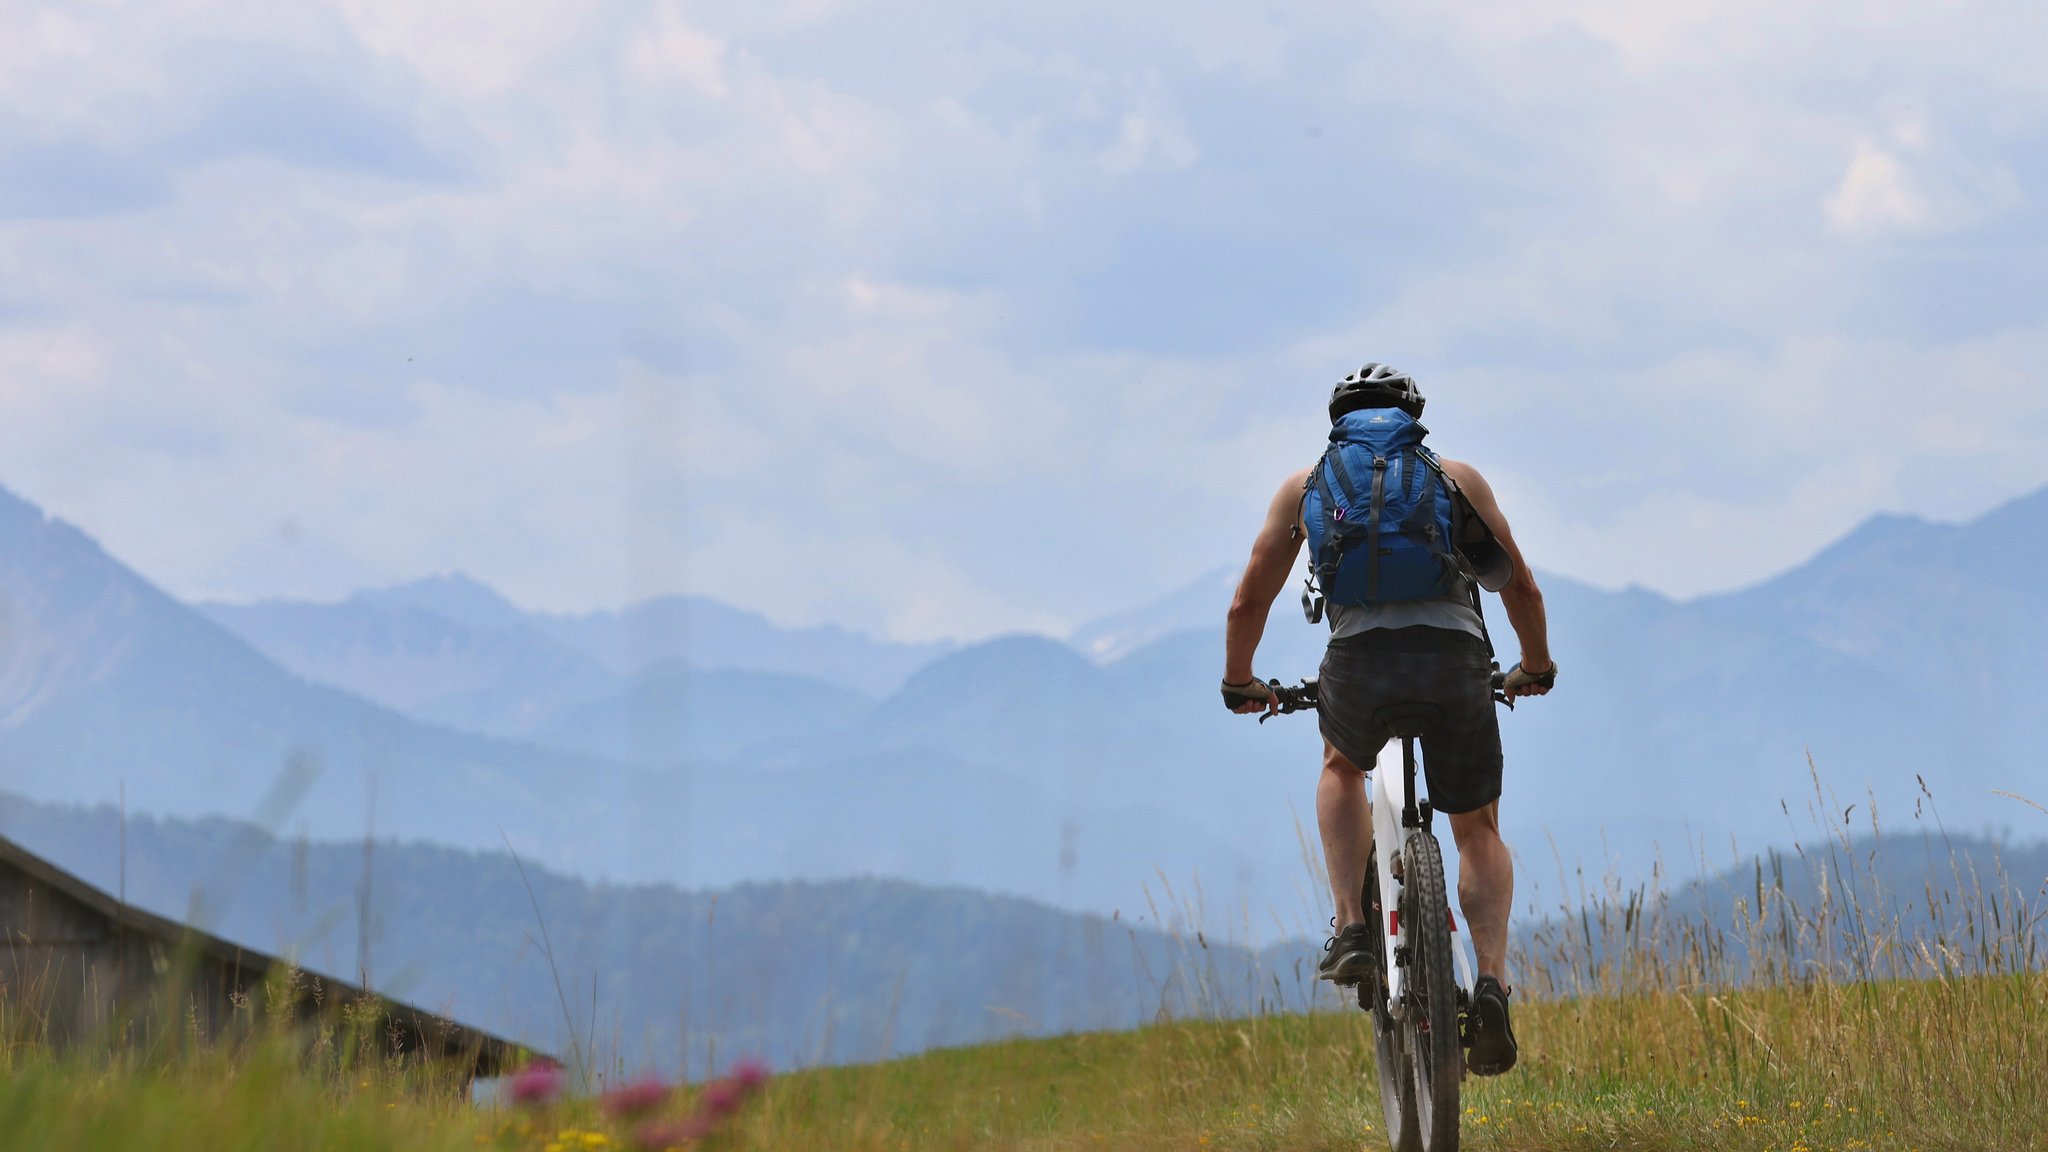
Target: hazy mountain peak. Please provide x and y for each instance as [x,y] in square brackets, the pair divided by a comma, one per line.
[456,596]
[1886,530]
[2012,536]
[1017,659]
[1201,603]
[13,507]
[25,525]
[2016,532]
[708,633]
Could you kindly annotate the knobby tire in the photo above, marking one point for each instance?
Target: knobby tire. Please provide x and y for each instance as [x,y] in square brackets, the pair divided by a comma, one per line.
[1390,1050]
[1436,1061]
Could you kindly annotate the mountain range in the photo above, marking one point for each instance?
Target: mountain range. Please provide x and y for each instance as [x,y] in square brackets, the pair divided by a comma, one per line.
[685,741]
[449,650]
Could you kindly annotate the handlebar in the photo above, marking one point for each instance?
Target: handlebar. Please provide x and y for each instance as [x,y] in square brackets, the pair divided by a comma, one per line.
[1304,697]
[1307,695]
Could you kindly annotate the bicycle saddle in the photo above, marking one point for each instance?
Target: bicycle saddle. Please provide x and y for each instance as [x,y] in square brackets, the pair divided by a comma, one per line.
[1407,719]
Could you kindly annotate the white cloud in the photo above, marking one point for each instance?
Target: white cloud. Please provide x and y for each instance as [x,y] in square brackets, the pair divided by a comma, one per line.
[1876,194]
[672,50]
[476,49]
[1915,182]
[1144,138]
[1045,301]
[38,363]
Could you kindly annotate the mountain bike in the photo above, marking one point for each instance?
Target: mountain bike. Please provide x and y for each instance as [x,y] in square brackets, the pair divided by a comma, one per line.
[1418,988]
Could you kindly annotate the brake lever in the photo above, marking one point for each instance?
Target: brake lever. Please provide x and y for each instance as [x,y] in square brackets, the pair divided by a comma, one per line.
[1285,706]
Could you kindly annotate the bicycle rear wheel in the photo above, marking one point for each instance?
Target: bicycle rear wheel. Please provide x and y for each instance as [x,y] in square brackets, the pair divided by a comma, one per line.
[1390,1051]
[1436,1061]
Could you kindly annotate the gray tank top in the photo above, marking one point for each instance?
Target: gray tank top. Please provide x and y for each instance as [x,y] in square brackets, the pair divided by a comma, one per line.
[1452,610]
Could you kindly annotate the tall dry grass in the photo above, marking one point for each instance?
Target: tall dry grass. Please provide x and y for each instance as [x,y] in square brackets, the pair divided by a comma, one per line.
[1811,1007]
[1818,1005]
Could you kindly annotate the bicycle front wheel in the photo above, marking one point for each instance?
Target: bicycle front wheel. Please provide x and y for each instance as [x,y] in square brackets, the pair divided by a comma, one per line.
[1436,1061]
[1390,1048]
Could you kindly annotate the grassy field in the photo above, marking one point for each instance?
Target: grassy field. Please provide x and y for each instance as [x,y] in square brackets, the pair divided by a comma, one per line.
[1952,1065]
[1903,1065]
[1841,1021]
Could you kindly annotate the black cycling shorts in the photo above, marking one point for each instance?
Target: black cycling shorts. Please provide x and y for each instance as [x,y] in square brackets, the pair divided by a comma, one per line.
[1365,672]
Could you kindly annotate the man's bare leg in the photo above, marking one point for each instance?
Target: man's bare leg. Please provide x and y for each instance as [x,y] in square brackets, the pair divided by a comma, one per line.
[1344,818]
[1486,886]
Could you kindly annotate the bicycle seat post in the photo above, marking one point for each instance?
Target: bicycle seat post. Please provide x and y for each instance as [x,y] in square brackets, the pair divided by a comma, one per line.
[1411,816]
[1408,721]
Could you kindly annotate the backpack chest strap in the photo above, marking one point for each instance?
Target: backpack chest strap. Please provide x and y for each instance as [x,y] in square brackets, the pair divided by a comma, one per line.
[1372,528]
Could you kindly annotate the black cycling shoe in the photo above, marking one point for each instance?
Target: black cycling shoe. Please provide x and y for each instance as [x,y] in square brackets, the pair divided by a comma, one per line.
[1493,1038]
[1346,958]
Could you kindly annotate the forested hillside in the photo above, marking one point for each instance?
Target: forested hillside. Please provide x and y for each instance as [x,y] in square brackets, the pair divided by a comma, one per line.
[798,972]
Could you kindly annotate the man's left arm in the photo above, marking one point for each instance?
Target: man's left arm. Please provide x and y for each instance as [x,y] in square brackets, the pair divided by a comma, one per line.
[1522,598]
[1273,553]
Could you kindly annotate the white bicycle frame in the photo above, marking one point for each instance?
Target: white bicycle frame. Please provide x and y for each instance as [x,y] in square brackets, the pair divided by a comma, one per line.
[1389,797]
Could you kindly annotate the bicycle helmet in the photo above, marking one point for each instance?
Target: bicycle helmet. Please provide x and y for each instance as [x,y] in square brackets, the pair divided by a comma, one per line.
[1376,386]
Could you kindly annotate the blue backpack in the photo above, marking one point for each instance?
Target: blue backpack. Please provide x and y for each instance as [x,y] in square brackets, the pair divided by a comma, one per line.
[1378,512]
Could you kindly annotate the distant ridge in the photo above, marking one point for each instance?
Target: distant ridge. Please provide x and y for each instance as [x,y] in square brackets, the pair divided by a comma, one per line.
[571,659]
[1200,603]
[705,633]
[454,596]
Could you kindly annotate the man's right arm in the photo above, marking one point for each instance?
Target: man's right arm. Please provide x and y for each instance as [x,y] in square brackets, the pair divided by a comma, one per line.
[1522,598]
[1265,574]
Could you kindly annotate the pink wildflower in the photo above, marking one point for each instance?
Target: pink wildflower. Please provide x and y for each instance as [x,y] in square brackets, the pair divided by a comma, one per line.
[537,1083]
[715,1105]
[636,1097]
[720,1097]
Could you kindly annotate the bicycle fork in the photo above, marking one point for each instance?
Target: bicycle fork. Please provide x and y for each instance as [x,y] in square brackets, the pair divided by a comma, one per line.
[1396,813]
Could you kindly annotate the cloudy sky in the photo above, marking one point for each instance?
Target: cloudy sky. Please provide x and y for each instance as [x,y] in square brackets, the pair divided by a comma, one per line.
[953,318]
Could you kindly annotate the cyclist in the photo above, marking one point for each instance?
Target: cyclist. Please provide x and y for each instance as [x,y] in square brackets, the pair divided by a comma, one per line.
[1430,650]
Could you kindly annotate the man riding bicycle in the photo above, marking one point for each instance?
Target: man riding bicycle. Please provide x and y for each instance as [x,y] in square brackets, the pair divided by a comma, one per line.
[1400,569]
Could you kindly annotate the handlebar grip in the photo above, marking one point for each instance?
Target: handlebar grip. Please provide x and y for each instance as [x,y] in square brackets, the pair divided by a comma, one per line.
[1232,698]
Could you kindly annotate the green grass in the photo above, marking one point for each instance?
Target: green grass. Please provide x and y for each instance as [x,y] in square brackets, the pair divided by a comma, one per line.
[1838,1026]
[1906,1065]
[219,1104]
[1925,1065]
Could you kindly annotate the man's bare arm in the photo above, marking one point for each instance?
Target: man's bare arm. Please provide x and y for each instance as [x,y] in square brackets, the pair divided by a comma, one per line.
[1273,553]
[1522,598]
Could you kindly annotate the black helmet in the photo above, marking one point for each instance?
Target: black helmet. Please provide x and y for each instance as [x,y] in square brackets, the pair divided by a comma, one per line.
[1376,386]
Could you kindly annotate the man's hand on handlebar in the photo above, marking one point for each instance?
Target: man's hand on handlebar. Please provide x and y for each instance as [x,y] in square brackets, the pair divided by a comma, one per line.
[1249,697]
[1521,682]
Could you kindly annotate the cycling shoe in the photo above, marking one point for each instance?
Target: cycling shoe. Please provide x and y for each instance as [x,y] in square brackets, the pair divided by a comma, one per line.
[1493,1038]
[1345,958]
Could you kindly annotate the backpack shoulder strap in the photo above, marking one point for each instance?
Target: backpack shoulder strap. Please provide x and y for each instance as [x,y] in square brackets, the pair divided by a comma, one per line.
[1333,468]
